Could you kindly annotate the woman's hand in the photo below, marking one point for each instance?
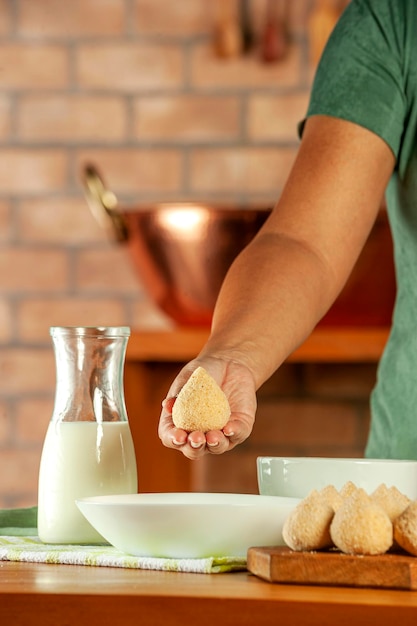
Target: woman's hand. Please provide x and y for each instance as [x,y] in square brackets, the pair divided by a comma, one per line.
[238,384]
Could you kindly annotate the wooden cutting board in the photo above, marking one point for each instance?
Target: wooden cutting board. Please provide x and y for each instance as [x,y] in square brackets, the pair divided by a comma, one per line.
[282,565]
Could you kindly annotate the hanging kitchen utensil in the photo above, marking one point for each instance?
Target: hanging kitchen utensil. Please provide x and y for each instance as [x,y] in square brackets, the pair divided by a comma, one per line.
[227,34]
[103,205]
[274,40]
[246,26]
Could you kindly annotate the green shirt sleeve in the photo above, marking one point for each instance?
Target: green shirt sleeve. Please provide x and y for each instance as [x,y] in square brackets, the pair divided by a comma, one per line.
[363,73]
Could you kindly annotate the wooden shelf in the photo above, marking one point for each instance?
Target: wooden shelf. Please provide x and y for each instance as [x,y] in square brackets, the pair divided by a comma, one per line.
[342,345]
[325,345]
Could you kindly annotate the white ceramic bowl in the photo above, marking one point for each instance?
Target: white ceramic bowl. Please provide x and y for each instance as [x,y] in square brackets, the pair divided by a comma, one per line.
[188,525]
[297,476]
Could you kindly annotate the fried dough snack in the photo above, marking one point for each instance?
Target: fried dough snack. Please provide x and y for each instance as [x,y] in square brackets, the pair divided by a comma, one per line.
[353,521]
[361,526]
[348,490]
[405,529]
[308,526]
[201,404]
[391,500]
[332,496]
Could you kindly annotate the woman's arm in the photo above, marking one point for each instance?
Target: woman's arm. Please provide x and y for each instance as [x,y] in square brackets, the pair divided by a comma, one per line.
[290,274]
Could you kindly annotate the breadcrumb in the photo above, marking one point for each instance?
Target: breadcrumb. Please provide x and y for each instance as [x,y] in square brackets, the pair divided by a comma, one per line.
[391,500]
[308,526]
[361,526]
[405,529]
[201,404]
[331,496]
[348,490]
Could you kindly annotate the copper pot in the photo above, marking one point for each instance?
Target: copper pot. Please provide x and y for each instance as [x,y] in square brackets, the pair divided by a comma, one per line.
[181,251]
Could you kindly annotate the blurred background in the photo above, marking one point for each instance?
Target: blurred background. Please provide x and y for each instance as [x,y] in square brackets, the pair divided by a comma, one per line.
[171,101]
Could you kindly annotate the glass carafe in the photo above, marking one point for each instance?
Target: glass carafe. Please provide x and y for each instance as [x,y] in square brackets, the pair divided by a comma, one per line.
[88,448]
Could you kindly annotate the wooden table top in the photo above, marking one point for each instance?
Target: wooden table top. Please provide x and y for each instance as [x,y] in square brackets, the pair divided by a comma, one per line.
[59,595]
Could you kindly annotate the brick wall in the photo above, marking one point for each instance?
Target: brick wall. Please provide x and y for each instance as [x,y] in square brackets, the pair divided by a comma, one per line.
[134,86]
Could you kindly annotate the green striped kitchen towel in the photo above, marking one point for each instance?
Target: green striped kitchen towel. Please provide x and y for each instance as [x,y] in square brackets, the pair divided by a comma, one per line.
[19,542]
[19,521]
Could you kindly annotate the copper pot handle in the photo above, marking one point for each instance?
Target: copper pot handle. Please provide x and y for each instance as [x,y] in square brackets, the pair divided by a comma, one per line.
[103,204]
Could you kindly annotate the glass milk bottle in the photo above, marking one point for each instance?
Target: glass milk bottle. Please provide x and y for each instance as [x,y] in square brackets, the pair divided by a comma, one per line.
[88,449]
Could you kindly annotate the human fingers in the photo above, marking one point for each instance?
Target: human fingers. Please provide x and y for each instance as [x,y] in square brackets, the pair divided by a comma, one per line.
[169,434]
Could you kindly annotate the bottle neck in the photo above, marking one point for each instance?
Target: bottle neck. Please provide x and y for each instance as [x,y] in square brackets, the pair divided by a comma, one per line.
[89,378]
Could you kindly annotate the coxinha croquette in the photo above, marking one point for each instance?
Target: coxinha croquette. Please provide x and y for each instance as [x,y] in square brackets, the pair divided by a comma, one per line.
[201,404]
[353,521]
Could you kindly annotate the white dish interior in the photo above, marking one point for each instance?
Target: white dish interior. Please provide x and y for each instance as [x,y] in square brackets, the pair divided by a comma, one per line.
[297,476]
[188,525]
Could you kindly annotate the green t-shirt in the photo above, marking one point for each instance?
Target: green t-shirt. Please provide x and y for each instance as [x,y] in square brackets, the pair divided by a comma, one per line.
[368,75]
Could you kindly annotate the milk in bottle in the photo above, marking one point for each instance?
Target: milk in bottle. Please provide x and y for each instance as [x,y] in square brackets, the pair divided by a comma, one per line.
[88,448]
